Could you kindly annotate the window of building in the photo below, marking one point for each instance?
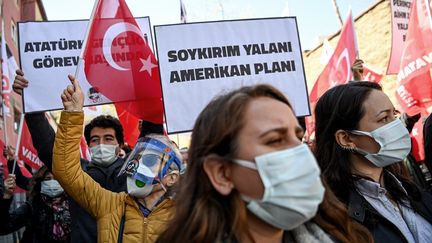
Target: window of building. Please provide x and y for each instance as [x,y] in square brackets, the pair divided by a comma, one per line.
[14,32]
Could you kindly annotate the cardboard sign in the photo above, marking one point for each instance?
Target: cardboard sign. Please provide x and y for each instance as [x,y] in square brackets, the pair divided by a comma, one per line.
[49,51]
[198,61]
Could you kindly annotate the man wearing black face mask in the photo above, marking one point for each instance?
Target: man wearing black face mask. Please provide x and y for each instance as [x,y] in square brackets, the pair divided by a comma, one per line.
[104,135]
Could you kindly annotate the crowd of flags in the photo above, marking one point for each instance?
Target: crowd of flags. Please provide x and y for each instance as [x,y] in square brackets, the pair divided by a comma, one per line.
[134,85]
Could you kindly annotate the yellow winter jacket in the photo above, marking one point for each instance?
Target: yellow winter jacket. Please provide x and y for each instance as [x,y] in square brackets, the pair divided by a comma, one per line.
[105,206]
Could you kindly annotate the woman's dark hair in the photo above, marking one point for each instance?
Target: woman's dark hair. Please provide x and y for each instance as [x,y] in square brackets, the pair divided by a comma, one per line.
[342,107]
[35,183]
[208,215]
[105,121]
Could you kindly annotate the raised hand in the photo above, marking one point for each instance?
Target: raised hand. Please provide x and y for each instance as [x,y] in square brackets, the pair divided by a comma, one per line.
[73,97]
[9,152]
[20,82]
[357,69]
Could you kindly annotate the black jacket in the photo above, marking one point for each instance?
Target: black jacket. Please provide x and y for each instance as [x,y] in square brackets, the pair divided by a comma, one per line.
[34,215]
[427,139]
[83,225]
[382,229]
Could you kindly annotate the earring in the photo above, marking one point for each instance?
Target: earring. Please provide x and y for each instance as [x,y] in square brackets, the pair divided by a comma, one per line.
[349,149]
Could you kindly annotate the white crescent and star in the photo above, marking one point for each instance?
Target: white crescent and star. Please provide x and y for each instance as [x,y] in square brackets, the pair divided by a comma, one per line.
[112,32]
[147,65]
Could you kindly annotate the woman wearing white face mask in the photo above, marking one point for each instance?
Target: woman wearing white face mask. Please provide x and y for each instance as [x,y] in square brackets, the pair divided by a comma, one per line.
[45,215]
[249,178]
[359,143]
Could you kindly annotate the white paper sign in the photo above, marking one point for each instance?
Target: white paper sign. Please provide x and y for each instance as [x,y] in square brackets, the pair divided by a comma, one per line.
[198,61]
[49,51]
[400,11]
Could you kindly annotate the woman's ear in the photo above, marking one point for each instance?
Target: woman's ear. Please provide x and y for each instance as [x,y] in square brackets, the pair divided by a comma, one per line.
[171,178]
[343,138]
[218,173]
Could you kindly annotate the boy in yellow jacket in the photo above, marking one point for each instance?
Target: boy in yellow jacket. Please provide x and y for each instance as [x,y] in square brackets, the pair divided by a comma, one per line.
[137,216]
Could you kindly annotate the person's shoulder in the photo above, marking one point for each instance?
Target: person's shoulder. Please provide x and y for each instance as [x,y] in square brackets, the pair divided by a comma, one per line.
[307,232]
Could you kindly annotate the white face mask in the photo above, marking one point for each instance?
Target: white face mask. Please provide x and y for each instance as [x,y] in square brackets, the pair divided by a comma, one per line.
[104,154]
[293,188]
[138,189]
[394,140]
[51,188]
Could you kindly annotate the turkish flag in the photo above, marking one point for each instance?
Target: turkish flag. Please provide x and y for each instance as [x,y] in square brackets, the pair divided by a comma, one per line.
[119,62]
[28,154]
[338,69]
[130,125]
[414,90]
[368,73]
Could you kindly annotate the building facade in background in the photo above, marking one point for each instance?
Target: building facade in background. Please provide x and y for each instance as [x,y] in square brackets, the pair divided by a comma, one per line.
[14,11]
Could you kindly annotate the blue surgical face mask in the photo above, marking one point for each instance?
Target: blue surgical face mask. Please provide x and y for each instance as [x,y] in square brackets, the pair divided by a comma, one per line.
[293,188]
[394,141]
[51,188]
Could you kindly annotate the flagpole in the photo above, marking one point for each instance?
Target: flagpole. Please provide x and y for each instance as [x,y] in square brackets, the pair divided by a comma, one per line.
[5,137]
[81,56]
[18,142]
[355,34]
[3,42]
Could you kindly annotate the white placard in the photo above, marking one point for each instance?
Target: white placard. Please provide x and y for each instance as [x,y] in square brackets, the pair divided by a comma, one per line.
[198,61]
[400,11]
[49,51]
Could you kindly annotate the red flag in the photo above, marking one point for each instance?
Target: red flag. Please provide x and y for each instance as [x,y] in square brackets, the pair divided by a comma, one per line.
[6,86]
[84,150]
[370,75]
[120,63]
[415,96]
[130,125]
[4,166]
[338,68]
[417,140]
[28,154]
[414,83]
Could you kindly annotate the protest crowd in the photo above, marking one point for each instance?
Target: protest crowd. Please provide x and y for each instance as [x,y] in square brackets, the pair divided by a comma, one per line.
[256,170]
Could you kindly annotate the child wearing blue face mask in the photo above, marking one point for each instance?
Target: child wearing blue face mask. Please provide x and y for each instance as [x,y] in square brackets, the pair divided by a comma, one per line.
[45,215]
[250,179]
[359,144]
